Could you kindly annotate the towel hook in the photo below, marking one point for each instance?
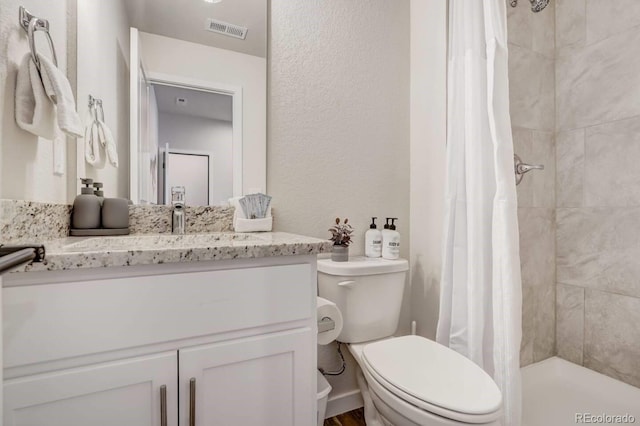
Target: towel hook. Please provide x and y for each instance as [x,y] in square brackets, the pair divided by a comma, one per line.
[31,24]
[95,106]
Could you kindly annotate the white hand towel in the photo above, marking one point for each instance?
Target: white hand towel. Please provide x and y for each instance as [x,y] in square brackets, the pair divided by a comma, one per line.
[59,91]
[108,143]
[35,112]
[91,144]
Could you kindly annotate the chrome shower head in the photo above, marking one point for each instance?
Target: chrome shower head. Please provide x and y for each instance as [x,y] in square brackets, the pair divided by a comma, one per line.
[538,5]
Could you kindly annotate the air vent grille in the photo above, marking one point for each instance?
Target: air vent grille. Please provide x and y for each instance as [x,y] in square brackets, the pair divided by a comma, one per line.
[226,28]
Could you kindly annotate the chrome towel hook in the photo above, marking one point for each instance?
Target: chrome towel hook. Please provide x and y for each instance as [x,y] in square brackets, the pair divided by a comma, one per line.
[31,24]
[96,108]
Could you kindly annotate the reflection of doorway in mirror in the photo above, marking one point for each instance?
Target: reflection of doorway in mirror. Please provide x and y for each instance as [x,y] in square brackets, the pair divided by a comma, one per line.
[193,171]
[197,122]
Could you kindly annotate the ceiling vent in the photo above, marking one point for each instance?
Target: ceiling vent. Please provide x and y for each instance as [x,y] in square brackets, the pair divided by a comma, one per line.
[226,28]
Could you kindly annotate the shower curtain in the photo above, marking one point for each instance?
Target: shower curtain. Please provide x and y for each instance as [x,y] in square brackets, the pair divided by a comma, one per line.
[481,295]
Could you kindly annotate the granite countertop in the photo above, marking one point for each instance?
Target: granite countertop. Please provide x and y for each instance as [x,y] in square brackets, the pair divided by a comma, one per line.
[101,252]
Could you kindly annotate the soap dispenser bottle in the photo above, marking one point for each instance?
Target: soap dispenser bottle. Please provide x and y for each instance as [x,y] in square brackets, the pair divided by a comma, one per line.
[98,191]
[86,208]
[373,240]
[390,240]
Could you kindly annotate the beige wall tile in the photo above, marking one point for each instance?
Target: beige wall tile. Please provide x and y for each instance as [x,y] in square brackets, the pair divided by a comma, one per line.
[598,83]
[570,22]
[537,246]
[544,343]
[570,168]
[528,325]
[612,172]
[532,31]
[519,25]
[606,18]
[537,259]
[598,248]
[612,335]
[543,30]
[570,322]
[543,181]
[531,86]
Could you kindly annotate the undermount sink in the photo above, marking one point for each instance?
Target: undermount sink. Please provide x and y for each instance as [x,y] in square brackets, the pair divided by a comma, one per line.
[161,242]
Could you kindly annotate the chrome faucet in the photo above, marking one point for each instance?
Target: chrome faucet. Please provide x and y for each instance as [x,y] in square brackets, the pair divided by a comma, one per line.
[178,220]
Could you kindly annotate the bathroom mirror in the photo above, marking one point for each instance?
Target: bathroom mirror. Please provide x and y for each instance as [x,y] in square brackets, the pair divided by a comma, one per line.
[182,86]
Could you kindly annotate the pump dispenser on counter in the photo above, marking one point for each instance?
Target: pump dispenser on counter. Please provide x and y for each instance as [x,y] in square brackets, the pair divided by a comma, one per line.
[93,214]
[373,240]
[86,208]
[390,240]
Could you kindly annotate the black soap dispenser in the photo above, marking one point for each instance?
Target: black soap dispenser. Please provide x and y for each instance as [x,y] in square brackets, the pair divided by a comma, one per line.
[86,208]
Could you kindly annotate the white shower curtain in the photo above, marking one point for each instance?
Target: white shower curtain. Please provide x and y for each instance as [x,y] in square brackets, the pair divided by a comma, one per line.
[481,294]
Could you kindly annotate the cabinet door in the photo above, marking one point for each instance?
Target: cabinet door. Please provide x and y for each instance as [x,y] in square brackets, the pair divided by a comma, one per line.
[265,380]
[123,393]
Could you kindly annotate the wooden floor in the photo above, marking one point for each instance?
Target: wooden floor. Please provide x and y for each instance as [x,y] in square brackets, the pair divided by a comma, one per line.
[352,418]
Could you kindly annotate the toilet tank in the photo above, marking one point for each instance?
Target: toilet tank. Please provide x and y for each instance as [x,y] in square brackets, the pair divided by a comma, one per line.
[368,292]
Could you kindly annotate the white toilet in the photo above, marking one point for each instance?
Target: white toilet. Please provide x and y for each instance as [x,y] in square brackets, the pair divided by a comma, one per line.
[410,380]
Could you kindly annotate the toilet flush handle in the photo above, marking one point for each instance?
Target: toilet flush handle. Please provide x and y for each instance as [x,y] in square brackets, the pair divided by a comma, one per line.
[347,284]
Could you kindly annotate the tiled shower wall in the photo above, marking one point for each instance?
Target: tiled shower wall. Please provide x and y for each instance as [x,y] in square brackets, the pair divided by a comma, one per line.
[598,182]
[532,100]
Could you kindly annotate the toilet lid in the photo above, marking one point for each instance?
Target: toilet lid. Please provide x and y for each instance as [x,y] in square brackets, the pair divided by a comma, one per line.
[433,373]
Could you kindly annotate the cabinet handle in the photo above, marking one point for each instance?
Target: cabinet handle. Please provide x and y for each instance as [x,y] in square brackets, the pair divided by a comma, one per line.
[192,402]
[163,405]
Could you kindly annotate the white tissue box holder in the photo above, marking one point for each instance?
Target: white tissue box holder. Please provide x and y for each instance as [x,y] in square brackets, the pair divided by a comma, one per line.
[253,225]
[242,224]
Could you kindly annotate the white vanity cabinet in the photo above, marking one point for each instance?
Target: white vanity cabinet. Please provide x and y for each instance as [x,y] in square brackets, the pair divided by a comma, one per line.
[124,392]
[224,342]
[255,381]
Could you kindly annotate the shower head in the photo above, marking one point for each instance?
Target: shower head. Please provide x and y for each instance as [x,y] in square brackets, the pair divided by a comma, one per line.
[536,5]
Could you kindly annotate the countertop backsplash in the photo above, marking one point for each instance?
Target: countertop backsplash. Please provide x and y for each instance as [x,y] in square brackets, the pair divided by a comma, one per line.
[146,219]
[33,222]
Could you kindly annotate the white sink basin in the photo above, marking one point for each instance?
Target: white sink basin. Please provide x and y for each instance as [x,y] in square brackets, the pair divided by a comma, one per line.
[163,242]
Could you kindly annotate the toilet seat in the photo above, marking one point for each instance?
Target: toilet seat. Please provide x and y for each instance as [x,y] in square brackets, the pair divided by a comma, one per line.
[427,376]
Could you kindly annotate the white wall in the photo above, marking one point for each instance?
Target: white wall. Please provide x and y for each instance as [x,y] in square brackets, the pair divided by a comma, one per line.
[427,153]
[339,122]
[195,61]
[103,71]
[26,161]
[203,134]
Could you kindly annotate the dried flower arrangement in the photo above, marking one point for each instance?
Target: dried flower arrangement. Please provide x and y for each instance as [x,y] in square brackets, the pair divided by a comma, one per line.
[341,233]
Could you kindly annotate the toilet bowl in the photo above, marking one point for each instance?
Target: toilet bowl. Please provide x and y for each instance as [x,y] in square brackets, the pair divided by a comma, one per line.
[407,380]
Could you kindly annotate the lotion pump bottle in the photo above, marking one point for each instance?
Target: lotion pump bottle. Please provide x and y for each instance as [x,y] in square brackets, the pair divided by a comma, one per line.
[86,208]
[373,240]
[391,240]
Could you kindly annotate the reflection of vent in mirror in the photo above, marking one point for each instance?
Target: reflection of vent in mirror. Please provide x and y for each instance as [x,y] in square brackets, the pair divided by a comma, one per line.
[227,29]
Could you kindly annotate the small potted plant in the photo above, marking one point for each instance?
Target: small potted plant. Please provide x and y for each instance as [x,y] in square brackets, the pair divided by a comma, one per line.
[341,237]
